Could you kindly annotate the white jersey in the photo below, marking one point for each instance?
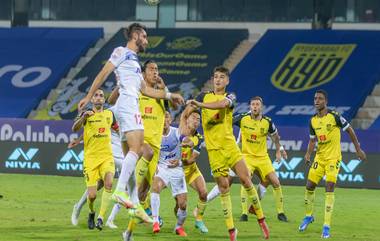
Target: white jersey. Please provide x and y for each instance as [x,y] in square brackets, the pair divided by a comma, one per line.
[127,71]
[170,148]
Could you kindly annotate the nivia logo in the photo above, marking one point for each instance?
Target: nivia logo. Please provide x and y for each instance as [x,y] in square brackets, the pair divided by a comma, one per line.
[290,166]
[71,161]
[22,160]
[348,174]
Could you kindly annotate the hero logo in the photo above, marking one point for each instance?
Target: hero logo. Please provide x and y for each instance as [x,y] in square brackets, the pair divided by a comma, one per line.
[20,79]
[348,169]
[65,165]
[290,167]
[26,162]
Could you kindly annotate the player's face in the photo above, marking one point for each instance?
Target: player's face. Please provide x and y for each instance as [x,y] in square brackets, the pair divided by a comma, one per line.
[256,107]
[194,121]
[221,80]
[151,73]
[168,120]
[142,40]
[320,101]
[98,99]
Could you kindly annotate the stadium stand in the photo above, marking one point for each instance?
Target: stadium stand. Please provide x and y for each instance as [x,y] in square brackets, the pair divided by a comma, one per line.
[185,58]
[286,67]
[34,61]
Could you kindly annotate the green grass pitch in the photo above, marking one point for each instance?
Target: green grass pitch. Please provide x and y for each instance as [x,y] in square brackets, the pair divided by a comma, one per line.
[39,208]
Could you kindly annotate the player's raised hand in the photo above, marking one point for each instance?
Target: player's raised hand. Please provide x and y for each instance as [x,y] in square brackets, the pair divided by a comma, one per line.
[177,99]
[278,156]
[187,142]
[284,154]
[82,103]
[173,163]
[361,155]
[193,103]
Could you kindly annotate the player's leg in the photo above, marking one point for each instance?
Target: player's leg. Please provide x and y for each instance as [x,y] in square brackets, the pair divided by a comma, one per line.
[157,186]
[278,196]
[91,190]
[244,196]
[316,172]
[118,158]
[134,141]
[107,193]
[242,171]
[331,170]
[214,192]
[199,185]
[181,213]
[142,170]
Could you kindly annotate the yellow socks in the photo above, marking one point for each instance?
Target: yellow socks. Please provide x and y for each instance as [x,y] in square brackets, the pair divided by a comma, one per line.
[309,202]
[277,192]
[141,170]
[227,210]
[329,206]
[243,200]
[254,199]
[106,199]
[201,209]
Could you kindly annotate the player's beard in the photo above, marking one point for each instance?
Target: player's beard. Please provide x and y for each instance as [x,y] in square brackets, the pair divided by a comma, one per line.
[98,106]
[140,46]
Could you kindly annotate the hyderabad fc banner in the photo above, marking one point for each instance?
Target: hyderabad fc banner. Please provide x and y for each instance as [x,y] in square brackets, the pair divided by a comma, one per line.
[286,67]
[185,58]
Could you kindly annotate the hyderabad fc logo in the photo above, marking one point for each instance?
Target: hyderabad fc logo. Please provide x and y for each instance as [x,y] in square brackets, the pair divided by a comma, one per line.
[307,66]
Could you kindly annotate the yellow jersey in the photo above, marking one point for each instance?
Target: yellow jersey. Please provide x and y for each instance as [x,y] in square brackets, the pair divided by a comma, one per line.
[153,115]
[217,124]
[97,138]
[327,131]
[254,134]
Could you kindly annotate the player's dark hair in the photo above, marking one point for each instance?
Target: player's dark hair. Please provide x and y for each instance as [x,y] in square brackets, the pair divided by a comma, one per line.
[323,92]
[196,110]
[222,69]
[145,65]
[257,98]
[134,27]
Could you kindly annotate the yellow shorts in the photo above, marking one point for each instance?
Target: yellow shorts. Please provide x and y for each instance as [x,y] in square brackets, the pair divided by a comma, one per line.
[192,172]
[320,168]
[263,165]
[95,173]
[223,159]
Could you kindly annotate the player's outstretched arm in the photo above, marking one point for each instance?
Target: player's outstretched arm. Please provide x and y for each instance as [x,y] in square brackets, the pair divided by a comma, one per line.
[107,69]
[280,151]
[359,152]
[310,149]
[161,94]
[217,105]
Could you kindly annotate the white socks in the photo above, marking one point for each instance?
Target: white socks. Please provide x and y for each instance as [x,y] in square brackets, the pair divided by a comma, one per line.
[127,169]
[213,193]
[155,203]
[181,216]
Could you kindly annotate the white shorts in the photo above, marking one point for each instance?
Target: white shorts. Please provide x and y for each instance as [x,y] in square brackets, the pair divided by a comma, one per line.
[173,178]
[128,114]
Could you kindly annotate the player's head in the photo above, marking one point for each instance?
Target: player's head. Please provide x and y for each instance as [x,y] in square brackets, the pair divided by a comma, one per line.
[168,120]
[136,34]
[256,105]
[150,72]
[98,99]
[194,120]
[221,78]
[320,99]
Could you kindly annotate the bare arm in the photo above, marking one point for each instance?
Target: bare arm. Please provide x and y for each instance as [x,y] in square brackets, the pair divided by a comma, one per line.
[114,95]
[99,80]
[75,142]
[192,159]
[217,105]
[280,152]
[160,94]
[359,152]
[310,149]
[78,123]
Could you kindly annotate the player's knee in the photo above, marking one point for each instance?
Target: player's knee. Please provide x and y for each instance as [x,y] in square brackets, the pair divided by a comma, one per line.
[245,181]
[182,204]
[92,196]
[310,185]
[275,182]
[330,186]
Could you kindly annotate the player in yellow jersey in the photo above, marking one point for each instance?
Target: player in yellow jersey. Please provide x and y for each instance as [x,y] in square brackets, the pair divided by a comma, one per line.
[254,130]
[98,161]
[223,152]
[189,123]
[325,129]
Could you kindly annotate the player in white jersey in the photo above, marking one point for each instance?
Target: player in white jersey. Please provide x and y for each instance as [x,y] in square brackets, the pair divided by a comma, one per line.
[170,174]
[117,153]
[124,62]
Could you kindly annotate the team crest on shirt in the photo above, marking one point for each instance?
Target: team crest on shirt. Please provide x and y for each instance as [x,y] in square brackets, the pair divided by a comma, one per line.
[253,137]
[328,127]
[307,66]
